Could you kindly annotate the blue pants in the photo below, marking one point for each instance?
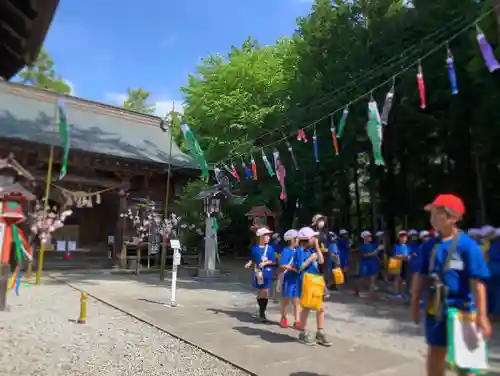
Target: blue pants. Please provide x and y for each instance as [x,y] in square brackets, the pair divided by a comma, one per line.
[493,289]
[435,331]
[268,280]
[290,288]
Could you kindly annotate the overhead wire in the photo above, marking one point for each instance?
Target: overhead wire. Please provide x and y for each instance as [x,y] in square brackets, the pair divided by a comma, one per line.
[368,76]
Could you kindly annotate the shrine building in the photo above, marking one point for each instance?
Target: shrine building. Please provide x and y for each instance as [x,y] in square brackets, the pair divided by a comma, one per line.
[115,155]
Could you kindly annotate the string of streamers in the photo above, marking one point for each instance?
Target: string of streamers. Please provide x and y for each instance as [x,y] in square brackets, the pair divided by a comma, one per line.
[292,155]
[315,146]
[254,168]
[334,136]
[235,172]
[421,86]
[374,130]
[394,61]
[389,98]
[195,150]
[301,136]
[248,172]
[280,173]
[23,251]
[71,197]
[343,121]
[450,64]
[486,51]
[269,168]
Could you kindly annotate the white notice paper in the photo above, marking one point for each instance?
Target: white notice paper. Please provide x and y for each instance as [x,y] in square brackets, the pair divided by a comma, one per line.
[61,246]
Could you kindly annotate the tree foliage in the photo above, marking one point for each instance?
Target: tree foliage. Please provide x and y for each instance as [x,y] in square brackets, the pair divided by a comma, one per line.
[137,100]
[341,51]
[42,75]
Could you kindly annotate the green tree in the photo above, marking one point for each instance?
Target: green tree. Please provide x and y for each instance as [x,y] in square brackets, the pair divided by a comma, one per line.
[137,100]
[42,75]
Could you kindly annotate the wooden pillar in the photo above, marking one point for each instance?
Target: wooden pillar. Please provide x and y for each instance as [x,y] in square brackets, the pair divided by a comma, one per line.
[122,207]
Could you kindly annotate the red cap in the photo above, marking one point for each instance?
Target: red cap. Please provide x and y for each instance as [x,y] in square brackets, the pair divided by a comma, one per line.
[451,202]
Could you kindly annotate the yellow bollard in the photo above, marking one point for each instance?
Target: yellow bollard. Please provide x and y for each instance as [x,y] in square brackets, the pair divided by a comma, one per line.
[83,308]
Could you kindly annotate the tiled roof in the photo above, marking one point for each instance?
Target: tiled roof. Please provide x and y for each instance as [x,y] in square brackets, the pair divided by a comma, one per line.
[27,114]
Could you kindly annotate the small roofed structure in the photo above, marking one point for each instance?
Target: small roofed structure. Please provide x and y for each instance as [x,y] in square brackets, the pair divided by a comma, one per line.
[259,216]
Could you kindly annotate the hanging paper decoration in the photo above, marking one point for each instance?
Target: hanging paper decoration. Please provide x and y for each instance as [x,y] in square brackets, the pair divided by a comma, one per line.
[301,136]
[195,150]
[374,130]
[386,110]
[269,168]
[486,51]
[65,138]
[421,86]
[451,71]
[292,154]
[235,172]
[334,135]
[254,168]
[315,146]
[248,172]
[343,120]
[280,173]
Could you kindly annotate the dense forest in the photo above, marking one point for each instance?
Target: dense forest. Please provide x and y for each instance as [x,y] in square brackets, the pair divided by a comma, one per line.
[257,98]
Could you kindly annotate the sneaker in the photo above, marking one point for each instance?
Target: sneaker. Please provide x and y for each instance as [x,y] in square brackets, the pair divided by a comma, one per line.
[296,325]
[263,319]
[284,323]
[322,340]
[307,338]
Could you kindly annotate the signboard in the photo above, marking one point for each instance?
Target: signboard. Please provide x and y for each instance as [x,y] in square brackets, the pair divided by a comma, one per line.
[175,244]
[61,246]
[177,257]
[111,239]
[71,246]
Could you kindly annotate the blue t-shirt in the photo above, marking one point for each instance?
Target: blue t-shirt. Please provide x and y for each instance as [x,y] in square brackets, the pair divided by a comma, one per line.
[467,263]
[259,252]
[301,255]
[401,250]
[288,257]
[366,248]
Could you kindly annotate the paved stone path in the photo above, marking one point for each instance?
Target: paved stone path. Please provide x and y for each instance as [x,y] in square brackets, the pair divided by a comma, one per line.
[369,338]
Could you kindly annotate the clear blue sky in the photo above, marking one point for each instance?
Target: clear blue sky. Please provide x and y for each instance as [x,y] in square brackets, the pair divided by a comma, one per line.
[104,46]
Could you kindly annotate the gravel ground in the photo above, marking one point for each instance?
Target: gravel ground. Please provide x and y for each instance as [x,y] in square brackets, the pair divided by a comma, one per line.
[39,337]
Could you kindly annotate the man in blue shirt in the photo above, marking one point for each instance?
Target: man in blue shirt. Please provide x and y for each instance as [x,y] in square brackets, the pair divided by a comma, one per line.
[463,275]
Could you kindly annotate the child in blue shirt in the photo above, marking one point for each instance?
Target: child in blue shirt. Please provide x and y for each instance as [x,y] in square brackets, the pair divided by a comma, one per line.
[263,257]
[343,246]
[334,256]
[464,279]
[368,264]
[290,279]
[401,252]
[308,258]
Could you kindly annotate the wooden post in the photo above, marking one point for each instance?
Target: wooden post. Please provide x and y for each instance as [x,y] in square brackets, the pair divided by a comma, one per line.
[119,244]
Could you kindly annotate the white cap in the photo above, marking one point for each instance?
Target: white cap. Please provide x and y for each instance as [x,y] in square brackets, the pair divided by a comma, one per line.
[317,218]
[487,230]
[307,233]
[412,232]
[379,233]
[473,232]
[497,232]
[365,234]
[263,231]
[424,233]
[290,234]
[403,233]
[343,232]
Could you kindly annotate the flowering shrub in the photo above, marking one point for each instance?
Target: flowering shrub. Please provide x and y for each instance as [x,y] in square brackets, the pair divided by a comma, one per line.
[44,221]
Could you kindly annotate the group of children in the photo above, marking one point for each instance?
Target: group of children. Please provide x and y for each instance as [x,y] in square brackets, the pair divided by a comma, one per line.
[300,258]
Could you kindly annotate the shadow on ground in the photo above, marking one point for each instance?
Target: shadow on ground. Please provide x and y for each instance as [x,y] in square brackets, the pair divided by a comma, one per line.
[383,306]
